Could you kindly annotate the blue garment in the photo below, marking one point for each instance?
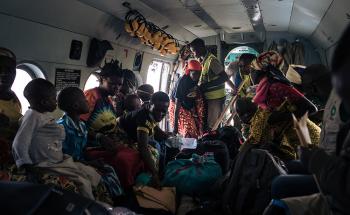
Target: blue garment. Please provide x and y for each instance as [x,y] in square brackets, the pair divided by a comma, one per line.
[237,80]
[76,137]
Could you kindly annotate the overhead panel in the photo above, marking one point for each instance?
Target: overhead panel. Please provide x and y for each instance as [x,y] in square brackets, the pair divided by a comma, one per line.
[65,14]
[178,13]
[333,24]
[306,16]
[230,15]
[276,14]
[115,8]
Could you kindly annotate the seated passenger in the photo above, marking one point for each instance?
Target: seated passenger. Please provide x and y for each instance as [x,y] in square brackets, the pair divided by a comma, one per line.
[131,103]
[101,119]
[10,107]
[145,93]
[73,102]
[140,126]
[38,142]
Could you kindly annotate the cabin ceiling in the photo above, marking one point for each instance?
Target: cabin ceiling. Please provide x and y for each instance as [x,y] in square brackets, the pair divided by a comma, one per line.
[322,21]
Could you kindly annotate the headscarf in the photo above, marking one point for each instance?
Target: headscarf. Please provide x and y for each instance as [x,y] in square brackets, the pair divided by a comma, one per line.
[193,65]
[270,62]
[268,59]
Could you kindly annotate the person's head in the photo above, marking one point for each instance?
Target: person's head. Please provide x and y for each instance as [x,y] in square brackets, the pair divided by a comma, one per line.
[316,81]
[132,102]
[72,101]
[245,109]
[185,53]
[265,64]
[245,61]
[198,48]
[7,69]
[111,77]
[129,83]
[145,92]
[194,69]
[159,105]
[41,95]
[266,60]
[341,68]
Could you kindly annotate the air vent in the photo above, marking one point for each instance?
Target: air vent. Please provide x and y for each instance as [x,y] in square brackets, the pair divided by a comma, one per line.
[236,28]
[197,26]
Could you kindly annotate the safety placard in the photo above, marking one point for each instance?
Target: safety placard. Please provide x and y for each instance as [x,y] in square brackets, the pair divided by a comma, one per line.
[67,78]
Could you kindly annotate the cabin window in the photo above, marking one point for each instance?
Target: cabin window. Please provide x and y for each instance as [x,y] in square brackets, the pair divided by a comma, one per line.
[24,74]
[92,81]
[234,54]
[157,75]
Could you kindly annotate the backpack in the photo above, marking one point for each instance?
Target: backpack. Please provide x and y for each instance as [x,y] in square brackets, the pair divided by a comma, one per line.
[192,176]
[248,188]
[218,148]
[229,135]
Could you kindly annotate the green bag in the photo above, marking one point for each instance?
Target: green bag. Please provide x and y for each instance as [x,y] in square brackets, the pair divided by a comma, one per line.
[192,176]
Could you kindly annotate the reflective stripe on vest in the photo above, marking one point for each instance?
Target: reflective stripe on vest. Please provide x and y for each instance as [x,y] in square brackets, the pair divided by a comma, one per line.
[214,92]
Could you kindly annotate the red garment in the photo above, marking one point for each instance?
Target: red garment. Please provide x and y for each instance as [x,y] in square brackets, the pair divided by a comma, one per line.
[272,95]
[125,161]
[190,122]
[261,93]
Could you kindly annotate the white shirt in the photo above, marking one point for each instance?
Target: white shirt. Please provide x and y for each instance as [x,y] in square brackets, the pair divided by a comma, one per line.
[38,139]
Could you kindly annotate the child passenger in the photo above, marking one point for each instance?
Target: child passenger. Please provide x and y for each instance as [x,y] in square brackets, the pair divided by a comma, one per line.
[38,143]
[73,102]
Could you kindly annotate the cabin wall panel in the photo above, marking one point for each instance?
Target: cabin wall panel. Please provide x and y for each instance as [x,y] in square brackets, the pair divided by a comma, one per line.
[49,48]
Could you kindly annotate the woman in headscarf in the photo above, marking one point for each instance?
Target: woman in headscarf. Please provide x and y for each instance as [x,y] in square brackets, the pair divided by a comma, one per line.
[277,100]
[187,110]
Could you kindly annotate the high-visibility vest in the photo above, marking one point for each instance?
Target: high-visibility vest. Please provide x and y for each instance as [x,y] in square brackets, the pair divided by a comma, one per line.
[207,75]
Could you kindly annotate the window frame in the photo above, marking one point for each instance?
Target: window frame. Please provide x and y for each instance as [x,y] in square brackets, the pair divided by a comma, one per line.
[161,74]
[33,69]
[94,73]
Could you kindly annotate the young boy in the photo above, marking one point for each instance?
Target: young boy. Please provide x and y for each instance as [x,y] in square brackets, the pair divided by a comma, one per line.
[141,126]
[38,143]
[73,102]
